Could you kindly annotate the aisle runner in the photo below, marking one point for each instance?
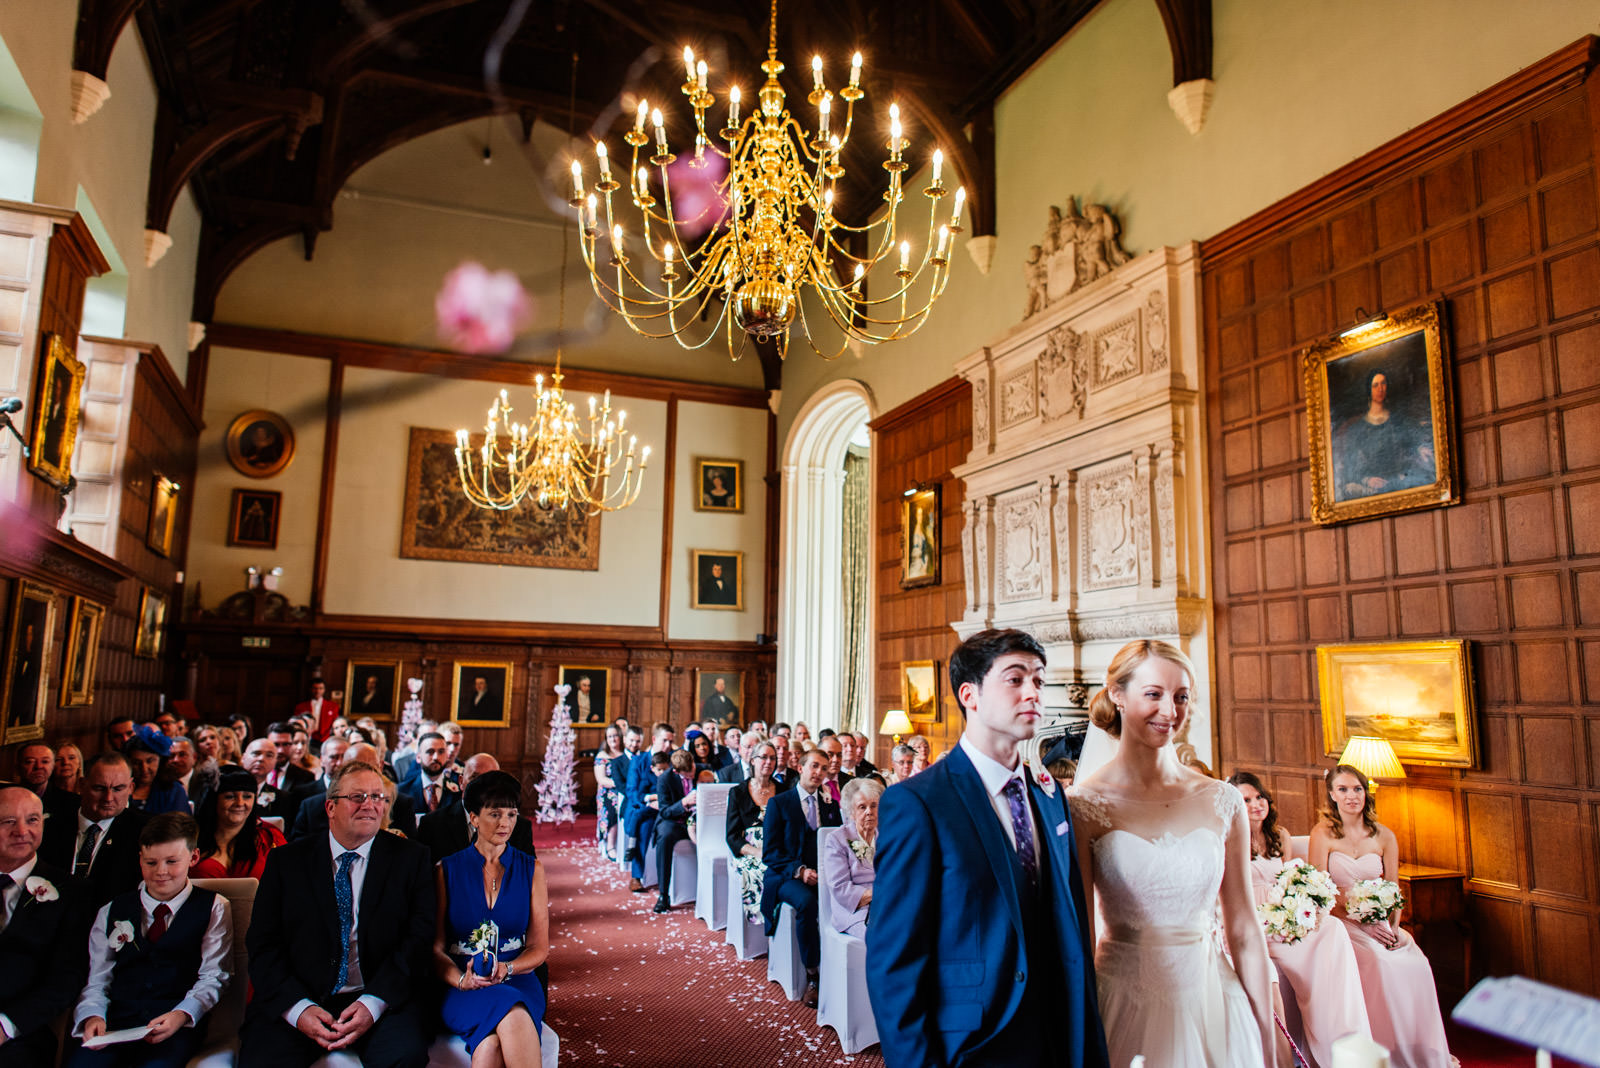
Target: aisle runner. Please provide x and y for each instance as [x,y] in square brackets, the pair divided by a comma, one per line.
[636,990]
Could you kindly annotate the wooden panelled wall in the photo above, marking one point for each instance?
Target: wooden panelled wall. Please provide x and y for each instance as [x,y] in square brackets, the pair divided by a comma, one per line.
[1491,209]
[919,442]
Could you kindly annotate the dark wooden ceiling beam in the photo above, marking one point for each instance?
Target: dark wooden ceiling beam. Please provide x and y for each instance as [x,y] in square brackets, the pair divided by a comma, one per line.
[547,103]
[100,23]
[1188,24]
[976,34]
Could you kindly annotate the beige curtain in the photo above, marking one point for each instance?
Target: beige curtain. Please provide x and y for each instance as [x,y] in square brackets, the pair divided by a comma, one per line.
[856,716]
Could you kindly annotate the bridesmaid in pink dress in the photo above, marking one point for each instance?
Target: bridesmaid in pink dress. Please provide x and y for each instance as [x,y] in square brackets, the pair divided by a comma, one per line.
[1402,1005]
[1320,969]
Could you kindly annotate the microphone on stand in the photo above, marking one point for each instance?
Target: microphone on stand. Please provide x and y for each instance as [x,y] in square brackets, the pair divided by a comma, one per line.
[10,404]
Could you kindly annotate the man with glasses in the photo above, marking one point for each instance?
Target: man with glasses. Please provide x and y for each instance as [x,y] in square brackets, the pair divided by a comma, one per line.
[100,841]
[347,984]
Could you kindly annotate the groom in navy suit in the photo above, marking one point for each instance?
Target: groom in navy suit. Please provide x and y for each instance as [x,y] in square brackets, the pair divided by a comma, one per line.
[978,949]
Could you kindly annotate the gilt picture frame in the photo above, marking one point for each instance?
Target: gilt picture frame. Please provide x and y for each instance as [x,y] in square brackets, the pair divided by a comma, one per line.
[920,538]
[485,706]
[919,690]
[1380,419]
[599,713]
[253,518]
[58,403]
[259,443]
[719,485]
[163,522]
[82,653]
[716,579]
[726,706]
[1417,696]
[147,640]
[379,677]
[30,645]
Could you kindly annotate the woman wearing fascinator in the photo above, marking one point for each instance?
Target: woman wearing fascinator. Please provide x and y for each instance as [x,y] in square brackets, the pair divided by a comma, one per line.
[1159,846]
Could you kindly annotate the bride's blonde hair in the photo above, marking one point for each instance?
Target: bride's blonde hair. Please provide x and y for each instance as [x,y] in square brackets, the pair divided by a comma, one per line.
[1103,710]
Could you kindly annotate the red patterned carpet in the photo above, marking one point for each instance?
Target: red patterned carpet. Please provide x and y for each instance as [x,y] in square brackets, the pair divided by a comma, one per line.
[636,990]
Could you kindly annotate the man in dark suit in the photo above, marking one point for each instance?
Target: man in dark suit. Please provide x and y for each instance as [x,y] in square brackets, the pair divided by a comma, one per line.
[307,799]
[740,770]
[447,831]
[260,759]
[979,947]
[99,840]
[36,763]
[340,939]
[833,782]
[853,760]
[641,821]
[286,776]
[789,836]
[429,788]
[42,960]
[675,800]
[312,818]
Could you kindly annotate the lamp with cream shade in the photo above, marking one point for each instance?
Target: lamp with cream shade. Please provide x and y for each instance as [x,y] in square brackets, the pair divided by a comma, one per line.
[895,722]
[1373,757]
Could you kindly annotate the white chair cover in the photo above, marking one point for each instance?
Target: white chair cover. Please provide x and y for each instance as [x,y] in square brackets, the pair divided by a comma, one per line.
[842,1000]
[628,842]
[650,879]
[784,965]
[710,890]
[450,1051]
[747,937]
[684,869]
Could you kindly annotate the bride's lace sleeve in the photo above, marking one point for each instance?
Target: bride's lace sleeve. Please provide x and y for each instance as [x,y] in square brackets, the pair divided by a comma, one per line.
[1090,811]
[1229,803]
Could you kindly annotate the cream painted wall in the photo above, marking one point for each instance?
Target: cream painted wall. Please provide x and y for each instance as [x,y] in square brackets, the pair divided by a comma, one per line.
[296,388]
[109,157]
[407,218]
[1301,88]
[366,575]
[718,432]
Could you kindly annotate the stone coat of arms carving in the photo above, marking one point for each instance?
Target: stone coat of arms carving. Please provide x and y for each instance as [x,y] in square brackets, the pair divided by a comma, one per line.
[1077,247]
[1063,374]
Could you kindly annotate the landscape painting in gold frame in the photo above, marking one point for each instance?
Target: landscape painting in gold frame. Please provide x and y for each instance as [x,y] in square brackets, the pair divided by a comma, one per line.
[1417,696]
[1379,418]
[919,690]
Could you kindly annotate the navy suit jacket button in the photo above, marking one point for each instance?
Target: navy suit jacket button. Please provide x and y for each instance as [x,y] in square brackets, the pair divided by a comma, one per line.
[1019,975]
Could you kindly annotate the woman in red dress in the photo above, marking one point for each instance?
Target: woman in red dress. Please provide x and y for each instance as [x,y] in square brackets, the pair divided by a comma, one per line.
[234,843]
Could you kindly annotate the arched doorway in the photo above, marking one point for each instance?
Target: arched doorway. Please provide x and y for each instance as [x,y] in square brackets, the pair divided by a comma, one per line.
[824,663]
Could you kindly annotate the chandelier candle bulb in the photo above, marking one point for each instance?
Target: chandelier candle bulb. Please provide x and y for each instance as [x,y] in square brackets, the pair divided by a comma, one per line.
[661,130]
[824,107]
[733,109]
[938,165]
[700,75]
[644,113]
[605,161]
[944,240]
[855,71]
[816,73]
[955,217]
[577,182]
[688,63]
[905,257]
[593,214]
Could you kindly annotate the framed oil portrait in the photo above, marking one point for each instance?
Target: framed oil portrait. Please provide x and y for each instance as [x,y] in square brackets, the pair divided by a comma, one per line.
[719,485]
[919,690]
[56,407]
[27,661]
[253,518]
[371,688]
[587,700]
[719,695]
[716,579]
[82,653]
[260,443]
[152,621]
[163,515]
[1380,419]
[919,538]
[1418,696]
[480,693]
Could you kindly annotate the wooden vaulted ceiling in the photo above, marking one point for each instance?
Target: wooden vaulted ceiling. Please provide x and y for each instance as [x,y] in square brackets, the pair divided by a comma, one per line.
[268,106]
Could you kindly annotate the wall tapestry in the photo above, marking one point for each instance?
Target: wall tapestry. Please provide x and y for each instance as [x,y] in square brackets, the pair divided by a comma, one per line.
[439,523]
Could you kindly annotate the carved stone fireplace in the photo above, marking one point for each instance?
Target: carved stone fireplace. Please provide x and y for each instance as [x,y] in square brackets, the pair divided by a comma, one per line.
[1086,480]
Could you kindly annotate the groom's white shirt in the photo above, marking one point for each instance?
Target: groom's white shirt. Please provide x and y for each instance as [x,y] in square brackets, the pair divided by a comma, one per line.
[995,775]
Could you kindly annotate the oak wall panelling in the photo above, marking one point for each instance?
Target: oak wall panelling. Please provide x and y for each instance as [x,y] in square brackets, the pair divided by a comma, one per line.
[1491,208]
[921,441]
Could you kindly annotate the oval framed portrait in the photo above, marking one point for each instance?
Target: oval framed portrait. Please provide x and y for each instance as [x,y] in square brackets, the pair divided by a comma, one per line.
[260,443]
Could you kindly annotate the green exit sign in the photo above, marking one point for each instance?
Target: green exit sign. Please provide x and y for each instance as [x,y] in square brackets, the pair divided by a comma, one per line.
[256,643]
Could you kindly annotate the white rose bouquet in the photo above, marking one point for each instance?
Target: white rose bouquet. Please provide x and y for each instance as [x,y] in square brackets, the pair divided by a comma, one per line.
[1299,899]
[1373,900]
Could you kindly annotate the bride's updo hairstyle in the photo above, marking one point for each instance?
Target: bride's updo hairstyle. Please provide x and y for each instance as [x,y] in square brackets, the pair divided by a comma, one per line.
[1331,816]
[1103,711]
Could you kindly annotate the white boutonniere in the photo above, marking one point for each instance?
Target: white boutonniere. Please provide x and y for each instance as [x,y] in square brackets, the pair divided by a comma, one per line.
[453,787]
[1047,783]
[42,889]
[862,849]
[122,934]
[266,797]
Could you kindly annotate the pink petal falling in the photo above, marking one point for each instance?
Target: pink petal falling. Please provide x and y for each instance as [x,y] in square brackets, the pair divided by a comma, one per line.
[480,311]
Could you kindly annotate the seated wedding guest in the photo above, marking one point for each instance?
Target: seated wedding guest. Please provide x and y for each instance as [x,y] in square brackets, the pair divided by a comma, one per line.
[640,824]
[307,800]
[312,816]
[740,769]
[233,842]
[789,849]
[118,731]
[607,795]
[99,841]
[853,762]
[229,749]
[69,768]
[48,913]
[1321,967]
[240,725]
[732,737]
[406,756]
[833,782]
[1064,771]
[747,802]
[346,980]
[901,760]
[454,736]
[782,772]
[430,788]
[300,750]
[699,748]
[287,775]
[675,801]
[920,746]
[260,758]
[158,957]
[153,793]
[495,999]
[801,733]
[36,768]
[1396,980]
[848,891]
[449,830]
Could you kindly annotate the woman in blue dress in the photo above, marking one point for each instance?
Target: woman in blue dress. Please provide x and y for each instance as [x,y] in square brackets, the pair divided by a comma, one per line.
[498,1008]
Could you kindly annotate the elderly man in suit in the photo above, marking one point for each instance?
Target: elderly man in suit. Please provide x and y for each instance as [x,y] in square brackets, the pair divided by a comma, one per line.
[99,840]
[47,914]
[740,769]
[312,819]
[978,951]
[789,837]
[340,939]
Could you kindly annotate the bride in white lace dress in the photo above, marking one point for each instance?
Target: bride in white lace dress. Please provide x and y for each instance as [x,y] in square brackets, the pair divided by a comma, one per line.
[1160,845]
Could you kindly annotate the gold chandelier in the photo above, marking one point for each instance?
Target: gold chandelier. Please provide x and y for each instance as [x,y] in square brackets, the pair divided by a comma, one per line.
[773,229]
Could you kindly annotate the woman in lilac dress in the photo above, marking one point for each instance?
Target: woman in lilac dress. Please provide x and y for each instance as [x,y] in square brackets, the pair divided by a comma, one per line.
[1402,1004]
[849,855]
[495,1000]
[1320,969]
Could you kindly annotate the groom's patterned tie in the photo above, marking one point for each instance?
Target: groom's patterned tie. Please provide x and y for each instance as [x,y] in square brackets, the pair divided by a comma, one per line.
[344,897]
[1023,828]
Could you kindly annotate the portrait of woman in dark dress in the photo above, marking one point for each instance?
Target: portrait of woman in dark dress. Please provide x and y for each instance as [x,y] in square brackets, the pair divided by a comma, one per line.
[1386,444]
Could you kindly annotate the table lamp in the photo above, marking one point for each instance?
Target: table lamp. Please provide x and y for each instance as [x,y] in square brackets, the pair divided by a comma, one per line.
[1373,757]
[895,722]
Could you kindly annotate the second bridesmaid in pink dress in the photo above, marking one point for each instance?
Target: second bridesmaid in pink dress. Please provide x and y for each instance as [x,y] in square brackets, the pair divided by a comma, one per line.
[1402,1004]
[1320,969]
